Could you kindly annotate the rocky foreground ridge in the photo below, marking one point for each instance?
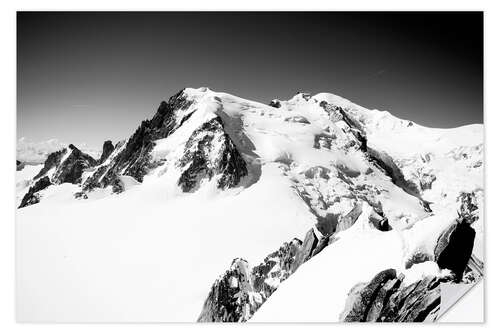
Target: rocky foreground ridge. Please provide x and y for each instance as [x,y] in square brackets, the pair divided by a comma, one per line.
[241,290]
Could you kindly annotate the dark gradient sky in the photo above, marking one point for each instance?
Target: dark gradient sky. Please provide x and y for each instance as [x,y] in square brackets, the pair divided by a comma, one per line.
[87,77]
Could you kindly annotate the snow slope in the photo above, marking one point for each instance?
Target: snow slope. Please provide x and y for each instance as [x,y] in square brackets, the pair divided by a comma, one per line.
[152,252]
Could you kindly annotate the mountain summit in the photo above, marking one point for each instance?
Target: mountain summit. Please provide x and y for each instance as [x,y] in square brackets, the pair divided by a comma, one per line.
[224,209]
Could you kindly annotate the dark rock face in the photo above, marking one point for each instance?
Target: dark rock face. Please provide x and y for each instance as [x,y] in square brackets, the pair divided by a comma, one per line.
[379,221]
[134,159]
[71,169]
[210,152]
[364,297]
[240,291]
[305,252]
[275,103]
[414,303]
[384,162]
[32,197]
[52,161]
[104,175]
[328,225]
[277,265]
[322,244]
[455,248]
[468,211]
[455,244]
[232,297]
[107,149]
[19,165]
[384,299]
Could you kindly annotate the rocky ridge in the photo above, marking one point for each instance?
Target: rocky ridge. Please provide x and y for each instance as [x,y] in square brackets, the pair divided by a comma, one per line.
[261,281]
[386,299]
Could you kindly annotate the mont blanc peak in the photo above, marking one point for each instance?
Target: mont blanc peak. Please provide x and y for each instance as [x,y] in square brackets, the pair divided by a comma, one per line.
[252,206]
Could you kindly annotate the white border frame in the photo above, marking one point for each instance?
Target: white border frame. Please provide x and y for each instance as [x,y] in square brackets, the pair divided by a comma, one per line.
[8,139]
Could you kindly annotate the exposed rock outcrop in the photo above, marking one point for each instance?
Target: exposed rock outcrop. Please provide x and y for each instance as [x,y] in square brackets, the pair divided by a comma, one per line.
[387,164]
[53,160]
[454,246]
[210,152]
[240,291]
[232,297]
[347,221]
[362,296]
[306,250]
[275,103]
[70,169]
[33,197]
[328,224]
[66,165]
[19,165]
[107,149]
[275,268]
[386,299]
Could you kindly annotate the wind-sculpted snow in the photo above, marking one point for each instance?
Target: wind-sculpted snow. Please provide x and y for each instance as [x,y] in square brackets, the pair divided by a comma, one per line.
[314,196]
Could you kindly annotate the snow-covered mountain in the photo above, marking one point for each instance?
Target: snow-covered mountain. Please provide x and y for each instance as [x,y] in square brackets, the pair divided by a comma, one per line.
[224,209]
